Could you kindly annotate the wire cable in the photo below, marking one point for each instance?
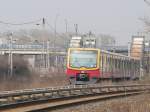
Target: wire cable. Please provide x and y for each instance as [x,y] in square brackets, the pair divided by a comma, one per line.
[57,35]
[24,23]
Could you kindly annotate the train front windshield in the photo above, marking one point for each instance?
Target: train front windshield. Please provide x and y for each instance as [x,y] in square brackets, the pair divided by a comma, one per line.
[82,58]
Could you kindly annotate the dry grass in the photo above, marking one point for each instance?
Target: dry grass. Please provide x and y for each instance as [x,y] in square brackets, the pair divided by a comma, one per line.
[23,78]
[33,82]
[139,103]
[145,79]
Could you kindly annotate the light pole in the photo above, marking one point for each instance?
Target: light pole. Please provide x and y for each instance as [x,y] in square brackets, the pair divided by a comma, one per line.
[76,29]
[55,24]
[66,24]
[148,56]
[129,45]
[147,60]
[42,56]
[11,54]
[147,2]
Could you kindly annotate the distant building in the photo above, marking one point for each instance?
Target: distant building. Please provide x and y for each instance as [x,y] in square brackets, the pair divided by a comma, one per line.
[3,40]
[106,40]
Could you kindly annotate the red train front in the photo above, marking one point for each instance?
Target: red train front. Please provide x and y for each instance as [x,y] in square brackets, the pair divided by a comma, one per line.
[83,65]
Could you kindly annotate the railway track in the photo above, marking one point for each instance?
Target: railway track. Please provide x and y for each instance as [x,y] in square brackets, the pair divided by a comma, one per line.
[32,100]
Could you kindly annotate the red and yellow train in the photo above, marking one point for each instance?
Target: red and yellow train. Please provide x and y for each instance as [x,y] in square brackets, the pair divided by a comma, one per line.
[89,65]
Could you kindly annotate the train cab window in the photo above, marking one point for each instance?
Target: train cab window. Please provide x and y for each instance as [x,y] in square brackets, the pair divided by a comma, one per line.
[82,58]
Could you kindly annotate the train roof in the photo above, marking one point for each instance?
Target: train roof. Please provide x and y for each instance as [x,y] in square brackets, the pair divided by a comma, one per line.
[120,55]
[84,49]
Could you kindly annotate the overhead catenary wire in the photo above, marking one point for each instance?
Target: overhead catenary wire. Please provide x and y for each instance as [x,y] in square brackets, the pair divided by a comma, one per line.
[23,23]
[57,35]
[34,22]
[30,22]
[148,2]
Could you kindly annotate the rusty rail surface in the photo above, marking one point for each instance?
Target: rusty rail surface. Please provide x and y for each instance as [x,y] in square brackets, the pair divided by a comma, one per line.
[27,97]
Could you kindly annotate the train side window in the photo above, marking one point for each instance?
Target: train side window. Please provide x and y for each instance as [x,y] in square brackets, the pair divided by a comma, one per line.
[101,62]
[108,64]
[111,63]
[119,63]
[115,62]
[126,66]
[107,68]
[104,62]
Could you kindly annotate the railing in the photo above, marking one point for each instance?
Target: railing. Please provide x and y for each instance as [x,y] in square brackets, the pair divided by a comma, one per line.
[31,47]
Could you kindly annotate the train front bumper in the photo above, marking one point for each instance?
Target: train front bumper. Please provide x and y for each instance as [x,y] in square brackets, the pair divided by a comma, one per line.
[83,80]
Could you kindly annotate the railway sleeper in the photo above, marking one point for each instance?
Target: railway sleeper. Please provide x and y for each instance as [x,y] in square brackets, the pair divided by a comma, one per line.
[25,97]
[48,95]
[63,93]
[111,89]
[36,96]
[75,92]
[3,101]
[85,91]
[10,99]
[18,98]
[104,90]
[96,91]
[120,89]
[55,94]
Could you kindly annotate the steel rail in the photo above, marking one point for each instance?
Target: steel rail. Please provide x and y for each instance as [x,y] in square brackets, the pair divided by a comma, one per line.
[12,99]
[72,102]
[6,94]
[50,104]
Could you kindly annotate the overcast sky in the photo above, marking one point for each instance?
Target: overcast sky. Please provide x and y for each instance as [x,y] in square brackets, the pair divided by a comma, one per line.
[118,18]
